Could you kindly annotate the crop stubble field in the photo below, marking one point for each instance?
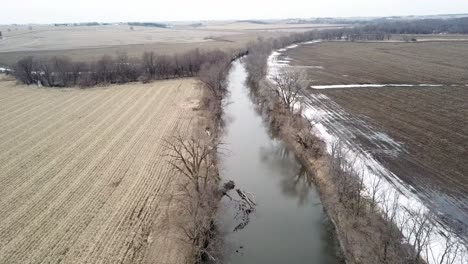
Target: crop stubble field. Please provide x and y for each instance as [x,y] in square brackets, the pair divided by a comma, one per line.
[431,123]
[83,176]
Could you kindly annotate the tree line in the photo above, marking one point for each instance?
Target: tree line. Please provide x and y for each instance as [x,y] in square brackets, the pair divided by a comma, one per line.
[421,26]
[148,24]
[64,72]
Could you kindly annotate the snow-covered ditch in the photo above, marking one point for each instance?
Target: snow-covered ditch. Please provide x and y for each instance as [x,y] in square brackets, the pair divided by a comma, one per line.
[396,199]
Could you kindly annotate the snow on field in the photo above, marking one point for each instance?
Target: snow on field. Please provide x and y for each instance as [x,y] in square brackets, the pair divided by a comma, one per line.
[337,86]
[339,130]
[5,70]
[275,62]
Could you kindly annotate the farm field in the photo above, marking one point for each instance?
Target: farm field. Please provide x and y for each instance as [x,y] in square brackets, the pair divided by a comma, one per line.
[427,126]
[86,43]
[83,174]
[385,62]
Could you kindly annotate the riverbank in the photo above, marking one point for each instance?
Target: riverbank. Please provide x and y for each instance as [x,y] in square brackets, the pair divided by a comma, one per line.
[364,236]
[288,224]
[426,231]
[365,233]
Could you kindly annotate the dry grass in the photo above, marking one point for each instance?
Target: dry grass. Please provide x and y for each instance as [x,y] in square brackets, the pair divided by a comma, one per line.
[83,176]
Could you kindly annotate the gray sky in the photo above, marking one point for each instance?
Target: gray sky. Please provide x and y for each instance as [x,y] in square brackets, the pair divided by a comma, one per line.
[48,11]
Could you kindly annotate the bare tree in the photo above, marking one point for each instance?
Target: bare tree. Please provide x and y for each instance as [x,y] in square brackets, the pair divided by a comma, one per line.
[420,230]
[289,86]
[24,70]
[62,70]
[77,69]
[255,62]
[163,67]
[390,233]
[192,160]
[214,77]
[125,70]
[104,69]
[195,160]
[452,250]
[194,61]
[45,72]
[374,191]
[149,64]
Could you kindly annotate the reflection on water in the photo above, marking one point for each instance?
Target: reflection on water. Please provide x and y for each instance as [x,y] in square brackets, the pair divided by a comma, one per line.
[298,186]
[288,225]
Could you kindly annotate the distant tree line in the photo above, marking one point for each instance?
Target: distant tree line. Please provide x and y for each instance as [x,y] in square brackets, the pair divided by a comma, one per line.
[253,21]
[196,25]
[148,24]
[325,20]
[420,26]
[64,72]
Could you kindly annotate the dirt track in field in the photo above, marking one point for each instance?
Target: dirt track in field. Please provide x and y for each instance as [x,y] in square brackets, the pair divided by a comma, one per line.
[82,172]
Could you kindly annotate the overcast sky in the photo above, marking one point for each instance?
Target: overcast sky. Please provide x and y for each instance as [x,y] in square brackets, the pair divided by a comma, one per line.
[49,11]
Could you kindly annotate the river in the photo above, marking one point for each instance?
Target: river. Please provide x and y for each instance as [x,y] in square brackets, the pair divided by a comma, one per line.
[289,224]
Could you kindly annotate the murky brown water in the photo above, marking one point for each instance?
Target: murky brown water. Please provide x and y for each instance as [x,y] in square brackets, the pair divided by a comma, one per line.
[289,225]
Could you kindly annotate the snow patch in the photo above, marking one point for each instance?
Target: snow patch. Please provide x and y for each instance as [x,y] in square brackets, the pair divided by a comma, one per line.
[274,63]
[340,86]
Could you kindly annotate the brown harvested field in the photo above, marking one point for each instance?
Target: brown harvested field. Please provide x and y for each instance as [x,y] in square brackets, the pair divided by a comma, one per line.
[83,177]
[430,123]
[387,62]
[133,50]
[88,43]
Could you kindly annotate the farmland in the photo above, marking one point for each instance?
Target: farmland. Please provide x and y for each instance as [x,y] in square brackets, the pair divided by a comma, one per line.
[88,43]
[427,126]
[388,62]
[84,176]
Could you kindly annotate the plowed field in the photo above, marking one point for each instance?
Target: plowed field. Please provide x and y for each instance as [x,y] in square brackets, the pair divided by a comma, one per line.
[83,178]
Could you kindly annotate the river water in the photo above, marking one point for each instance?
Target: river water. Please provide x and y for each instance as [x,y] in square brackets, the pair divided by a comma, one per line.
[289,224]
